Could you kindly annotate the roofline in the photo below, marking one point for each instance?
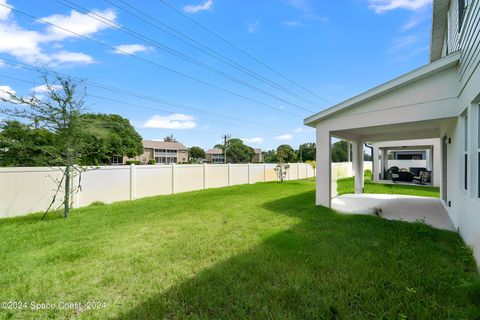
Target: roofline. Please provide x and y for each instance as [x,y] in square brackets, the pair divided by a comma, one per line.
[386,87]
[439,27]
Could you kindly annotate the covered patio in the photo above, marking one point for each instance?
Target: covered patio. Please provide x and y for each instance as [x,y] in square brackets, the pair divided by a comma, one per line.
[421,104]
[396,207]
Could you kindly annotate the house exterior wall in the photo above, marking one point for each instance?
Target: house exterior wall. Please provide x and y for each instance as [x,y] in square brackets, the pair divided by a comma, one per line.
[457,89]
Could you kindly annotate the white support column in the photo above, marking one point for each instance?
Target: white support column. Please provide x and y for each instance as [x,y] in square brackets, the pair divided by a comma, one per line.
[174,173]
[228,174]
[357,162]
[324,168]
[204,176]
[384,161]
[132,182]
[376,167]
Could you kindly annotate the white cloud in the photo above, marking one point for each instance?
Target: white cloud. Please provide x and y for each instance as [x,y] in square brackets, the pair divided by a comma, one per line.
[291,24]
[298,130]
[252,27]
[403,42]
[77,22]
[303,5]
[206,5]
[284,137]
[382,6]
[132,48]
[4,92]
[2,63]
[173,121]
[41,45]
[4,12]
[43,88]
[255,140]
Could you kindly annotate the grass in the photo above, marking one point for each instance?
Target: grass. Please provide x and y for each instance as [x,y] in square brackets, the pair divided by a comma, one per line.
[252,251]
[346,185]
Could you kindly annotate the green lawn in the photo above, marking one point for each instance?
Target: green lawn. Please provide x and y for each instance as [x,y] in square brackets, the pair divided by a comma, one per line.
[346,185]
[252,251]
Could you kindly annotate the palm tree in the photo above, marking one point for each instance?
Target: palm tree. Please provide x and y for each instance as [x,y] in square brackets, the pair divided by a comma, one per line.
[170,138]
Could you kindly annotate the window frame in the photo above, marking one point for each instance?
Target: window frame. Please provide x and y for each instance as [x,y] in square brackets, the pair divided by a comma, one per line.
[478,150]
[465,152]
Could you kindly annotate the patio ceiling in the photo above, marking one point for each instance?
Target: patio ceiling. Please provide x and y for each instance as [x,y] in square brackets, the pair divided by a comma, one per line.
[401,131]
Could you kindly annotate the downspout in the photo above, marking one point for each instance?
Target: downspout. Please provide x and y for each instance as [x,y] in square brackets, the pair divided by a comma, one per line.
[371,152]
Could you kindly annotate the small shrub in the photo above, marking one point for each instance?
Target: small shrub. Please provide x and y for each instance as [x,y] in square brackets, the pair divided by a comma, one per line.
[152,161]
[367,174]
[135,162]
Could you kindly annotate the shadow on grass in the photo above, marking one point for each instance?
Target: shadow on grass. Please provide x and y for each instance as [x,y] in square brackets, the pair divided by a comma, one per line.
[328,266]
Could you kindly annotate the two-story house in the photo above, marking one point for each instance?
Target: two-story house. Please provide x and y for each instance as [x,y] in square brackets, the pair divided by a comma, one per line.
[215,156]
[162,152]
[440,100]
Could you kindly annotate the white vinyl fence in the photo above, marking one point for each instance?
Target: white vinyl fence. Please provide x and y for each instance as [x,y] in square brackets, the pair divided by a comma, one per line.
[26,190]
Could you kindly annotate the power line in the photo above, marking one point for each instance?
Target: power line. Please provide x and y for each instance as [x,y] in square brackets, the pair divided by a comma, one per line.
[152,62]
[241,50]
[124,92]
[174,52]
[163,27]
[139,105]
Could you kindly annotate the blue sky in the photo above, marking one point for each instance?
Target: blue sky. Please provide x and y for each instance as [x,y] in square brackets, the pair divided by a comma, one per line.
[335,49]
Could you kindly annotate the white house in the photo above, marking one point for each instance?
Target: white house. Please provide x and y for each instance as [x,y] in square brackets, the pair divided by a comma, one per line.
[411,155]
[437,101]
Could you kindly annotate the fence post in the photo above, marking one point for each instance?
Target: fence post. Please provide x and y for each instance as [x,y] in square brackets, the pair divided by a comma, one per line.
[249,169]
[204,175]
[132,181]
[174,169]
[298,171]
[228,174]
[264,172]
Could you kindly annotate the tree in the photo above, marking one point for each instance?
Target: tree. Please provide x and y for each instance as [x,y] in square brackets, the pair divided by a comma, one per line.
[237,151]
[60,112]
[196,153]
[285,153]
[22,145]
[340,151]
[270,156]
[306,151]
[170,138]
[107,135]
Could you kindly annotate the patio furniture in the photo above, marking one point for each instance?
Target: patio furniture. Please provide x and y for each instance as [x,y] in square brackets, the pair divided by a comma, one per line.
[416,171]
[402,176]
[425,177]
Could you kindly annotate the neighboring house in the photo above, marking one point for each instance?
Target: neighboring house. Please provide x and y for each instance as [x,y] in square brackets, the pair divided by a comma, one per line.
[437,101]
[410,155]
[258,156]
[215,156]
[162,152]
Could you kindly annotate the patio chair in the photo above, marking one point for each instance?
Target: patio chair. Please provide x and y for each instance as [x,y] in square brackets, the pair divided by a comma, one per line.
[424,178]
[402,176]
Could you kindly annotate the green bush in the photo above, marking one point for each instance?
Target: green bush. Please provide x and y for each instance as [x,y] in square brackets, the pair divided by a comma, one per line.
[152,161]
[129,162]
[367,174]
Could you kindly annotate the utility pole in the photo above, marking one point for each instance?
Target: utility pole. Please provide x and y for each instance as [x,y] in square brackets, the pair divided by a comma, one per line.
[225,144]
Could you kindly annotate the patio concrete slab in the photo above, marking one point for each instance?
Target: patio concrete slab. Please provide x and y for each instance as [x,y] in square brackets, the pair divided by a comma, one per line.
[396,207]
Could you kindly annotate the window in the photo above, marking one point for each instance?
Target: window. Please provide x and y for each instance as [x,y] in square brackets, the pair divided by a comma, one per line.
[465,152]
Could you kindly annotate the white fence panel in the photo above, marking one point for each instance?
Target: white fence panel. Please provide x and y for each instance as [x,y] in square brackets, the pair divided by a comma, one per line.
[153,180]
[188,177]
[257,173]
[216,176]
[105,184]
[238,174]
[25,190]
[270,173]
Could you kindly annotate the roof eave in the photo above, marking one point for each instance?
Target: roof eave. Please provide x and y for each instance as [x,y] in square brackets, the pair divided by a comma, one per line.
[386,87]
